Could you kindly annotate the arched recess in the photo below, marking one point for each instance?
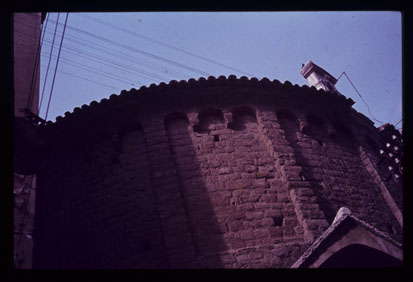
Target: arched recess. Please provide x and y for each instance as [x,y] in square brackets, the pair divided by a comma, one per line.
[315,127]
[315,120]
[129,133]
[360,256]
[177,126]
[99,139]
[289,123]
[176,121]
[240,117]
[343,135]
[129,142]
[129,126]
[208,120]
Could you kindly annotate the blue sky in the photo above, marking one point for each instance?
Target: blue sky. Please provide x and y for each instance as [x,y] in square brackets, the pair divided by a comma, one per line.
[104,53]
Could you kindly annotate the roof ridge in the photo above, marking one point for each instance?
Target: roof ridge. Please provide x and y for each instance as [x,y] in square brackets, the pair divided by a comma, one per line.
[340,217]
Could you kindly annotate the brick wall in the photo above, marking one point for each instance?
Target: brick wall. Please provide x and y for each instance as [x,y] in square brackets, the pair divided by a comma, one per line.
[209,176]
[329,154]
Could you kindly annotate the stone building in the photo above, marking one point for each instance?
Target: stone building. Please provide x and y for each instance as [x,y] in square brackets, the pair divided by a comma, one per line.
[215,173]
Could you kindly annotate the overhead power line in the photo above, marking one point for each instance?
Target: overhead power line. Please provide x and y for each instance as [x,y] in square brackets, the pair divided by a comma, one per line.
[97,71]
[116,64]
[36,64]
[25,213]
[104,39]
[57,63]
[48,64]
[398,122]
[45,28]
[41,45]
[83,78]
[159,42]
[368,108]
[111,63]
[126,57]
[118,54]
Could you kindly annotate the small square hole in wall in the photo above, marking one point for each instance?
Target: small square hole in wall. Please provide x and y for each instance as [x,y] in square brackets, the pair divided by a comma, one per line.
[278,220]
[233,202]
[216,138]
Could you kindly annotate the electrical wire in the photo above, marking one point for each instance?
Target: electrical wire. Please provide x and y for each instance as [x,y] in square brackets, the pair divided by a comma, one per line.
[22,210]
[159,42]
[96,71]
[24,218]
[86,79]
[45,29]
[35,67]
[132,59]
[57,63]
[135,50]
[99,59]
[121,55]
[398,122]
[397,127]
[147,38]
[125,56]
[48,65]
[368,108]
[340,76]
[122,67]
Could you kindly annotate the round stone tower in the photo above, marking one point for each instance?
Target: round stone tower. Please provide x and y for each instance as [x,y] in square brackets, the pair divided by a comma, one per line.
[208,173]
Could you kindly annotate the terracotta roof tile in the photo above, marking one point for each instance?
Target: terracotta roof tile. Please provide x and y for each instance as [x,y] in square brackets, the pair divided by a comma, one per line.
[193,83]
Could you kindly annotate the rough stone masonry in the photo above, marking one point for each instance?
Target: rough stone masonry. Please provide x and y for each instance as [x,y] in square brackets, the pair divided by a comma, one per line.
[209,173]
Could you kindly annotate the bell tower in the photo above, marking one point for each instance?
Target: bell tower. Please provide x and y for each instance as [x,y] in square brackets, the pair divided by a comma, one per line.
[318,77]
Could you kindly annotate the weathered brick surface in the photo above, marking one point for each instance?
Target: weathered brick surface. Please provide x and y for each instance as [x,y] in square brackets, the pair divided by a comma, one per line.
[331,162]
[206,177]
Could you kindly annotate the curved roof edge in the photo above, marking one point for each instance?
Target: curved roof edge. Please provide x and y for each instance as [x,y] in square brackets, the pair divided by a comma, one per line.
[193,83]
